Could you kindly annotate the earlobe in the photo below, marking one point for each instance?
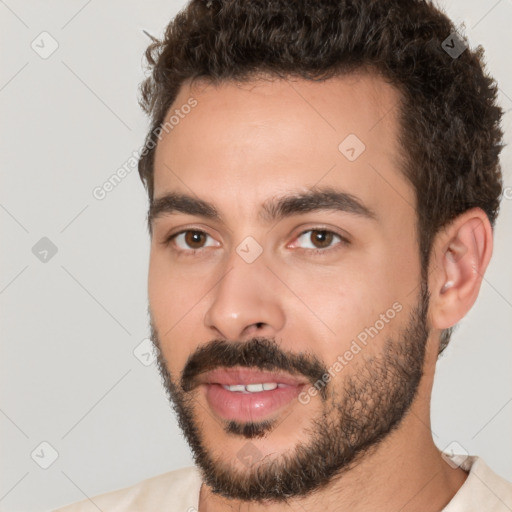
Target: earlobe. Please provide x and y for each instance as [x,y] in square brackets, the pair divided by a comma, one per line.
[462,252]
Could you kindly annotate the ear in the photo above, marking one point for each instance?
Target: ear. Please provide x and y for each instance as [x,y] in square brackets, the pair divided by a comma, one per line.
[459,259]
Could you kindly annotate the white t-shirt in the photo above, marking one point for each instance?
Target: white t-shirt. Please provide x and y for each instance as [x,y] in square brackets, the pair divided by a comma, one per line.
[178,491]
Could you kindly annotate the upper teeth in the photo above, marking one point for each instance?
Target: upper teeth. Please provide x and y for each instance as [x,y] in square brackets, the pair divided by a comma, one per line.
[252,388]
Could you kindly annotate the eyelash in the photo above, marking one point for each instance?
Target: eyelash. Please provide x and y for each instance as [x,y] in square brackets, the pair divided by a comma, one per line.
[192,252]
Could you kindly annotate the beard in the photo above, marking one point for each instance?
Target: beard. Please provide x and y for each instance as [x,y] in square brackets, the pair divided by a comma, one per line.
[368,405]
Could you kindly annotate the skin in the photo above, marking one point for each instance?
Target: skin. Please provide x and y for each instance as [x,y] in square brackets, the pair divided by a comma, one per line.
[245,143]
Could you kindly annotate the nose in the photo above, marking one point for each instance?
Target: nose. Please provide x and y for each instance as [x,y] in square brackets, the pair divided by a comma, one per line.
[245,303]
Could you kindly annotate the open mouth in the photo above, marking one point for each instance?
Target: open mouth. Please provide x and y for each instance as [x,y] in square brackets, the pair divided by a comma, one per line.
[254,388]
[249,395]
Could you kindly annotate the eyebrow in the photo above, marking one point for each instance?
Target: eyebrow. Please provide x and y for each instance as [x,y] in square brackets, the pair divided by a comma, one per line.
[272,210]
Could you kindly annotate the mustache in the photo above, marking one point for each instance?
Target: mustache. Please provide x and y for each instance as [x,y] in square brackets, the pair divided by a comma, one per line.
[261,353]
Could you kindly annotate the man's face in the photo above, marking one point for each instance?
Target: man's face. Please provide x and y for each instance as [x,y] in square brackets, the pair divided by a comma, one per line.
[326,287]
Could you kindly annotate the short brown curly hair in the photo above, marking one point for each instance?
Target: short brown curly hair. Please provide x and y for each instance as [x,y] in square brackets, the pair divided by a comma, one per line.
[449,117]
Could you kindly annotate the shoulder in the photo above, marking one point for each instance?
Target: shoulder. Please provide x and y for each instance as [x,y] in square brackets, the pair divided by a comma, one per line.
[483,491]
[178,489]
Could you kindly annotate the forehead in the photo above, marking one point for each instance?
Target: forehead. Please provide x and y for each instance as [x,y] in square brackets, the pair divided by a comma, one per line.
[269,136]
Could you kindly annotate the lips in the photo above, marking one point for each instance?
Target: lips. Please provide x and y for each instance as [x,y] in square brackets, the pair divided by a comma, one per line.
[234,376]
[248,406]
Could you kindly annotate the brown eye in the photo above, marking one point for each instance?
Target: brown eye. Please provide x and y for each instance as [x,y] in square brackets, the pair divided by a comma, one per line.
[321,239]
[191,240]
[194,239]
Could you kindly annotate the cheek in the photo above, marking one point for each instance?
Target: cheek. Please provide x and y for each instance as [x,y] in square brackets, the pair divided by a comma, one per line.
[171,291]
[347,303]
[386,287]
[159,291]
[173,301]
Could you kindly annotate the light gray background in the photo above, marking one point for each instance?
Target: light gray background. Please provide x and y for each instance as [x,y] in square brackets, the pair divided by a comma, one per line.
[69,326]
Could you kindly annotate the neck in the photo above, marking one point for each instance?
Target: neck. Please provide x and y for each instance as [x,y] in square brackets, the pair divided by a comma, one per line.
[409,480]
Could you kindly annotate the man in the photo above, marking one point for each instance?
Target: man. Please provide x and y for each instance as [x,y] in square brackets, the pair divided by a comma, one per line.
[323,180]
